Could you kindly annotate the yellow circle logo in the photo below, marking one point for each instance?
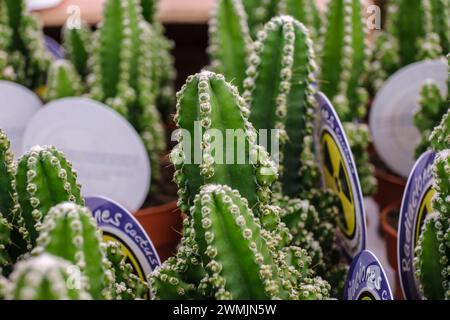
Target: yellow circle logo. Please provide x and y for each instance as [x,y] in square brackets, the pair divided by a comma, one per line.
[424,209]
[336,178]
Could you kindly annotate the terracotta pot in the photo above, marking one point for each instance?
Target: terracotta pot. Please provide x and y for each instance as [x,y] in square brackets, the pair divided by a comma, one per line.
[390,188]
[390,233]
[163,224]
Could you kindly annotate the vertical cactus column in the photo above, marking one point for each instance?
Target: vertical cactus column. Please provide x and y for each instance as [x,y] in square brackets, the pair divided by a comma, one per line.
[45,277]
[259,12]
[122,66]
[63,81]
[207,102]
[229,40]
[44,179]
[77,45]
[70,232]
[280,93]
[26,50]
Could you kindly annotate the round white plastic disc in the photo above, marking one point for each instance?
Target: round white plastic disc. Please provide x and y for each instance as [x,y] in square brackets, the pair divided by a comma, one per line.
[103,147]
[392,115]
[17,106]
[42,4]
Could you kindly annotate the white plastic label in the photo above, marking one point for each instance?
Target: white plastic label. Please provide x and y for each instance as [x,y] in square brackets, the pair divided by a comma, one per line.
[17,106]
[103,147]
[392,115]
[42,4]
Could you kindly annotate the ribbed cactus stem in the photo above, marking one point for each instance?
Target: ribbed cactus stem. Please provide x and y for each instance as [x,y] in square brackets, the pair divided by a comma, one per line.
[344,58]
[63,81]
[27,52]
[44,179]
[149,8]
[280,92]
[440,137]
[259,12]
[122,73]
[230,42]
[70,232]
[77,45]
[127,285]
[234,248]
[45,277]
[210,107]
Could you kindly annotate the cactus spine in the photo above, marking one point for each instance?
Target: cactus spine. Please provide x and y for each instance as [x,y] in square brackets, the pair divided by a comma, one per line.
[122,72]
[206,102]
[433,248]
[230,41]
[44,179]
[63,81]
[45,277]
[284,54]
[77,46]
[70,232]
[26,50]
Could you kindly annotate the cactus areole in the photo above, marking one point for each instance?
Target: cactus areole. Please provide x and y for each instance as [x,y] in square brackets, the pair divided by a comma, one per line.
[339,174]
[416,205]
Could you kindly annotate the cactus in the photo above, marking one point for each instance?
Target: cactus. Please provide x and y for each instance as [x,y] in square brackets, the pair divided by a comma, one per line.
[198,110]
[127,285]
[414,30]
[26,50]
[433,248]
[77,47]
[259,12]
[44,179]
[149,10]
[45,277]
[230,41]
[70,232]
[122,65]
[284,54]
[264,272]
[63,81]
[304,11]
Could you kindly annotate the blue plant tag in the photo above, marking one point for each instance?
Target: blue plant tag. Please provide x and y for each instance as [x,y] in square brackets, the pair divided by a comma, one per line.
[416,204]
[54,48]
[119,225]
[339,174]
[366,279]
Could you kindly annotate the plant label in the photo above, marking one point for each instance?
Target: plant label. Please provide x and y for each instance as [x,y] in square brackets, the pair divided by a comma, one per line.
[17,107]
[392,114]
[103,147]
[366,279]
[119,225]
[416,204]
[339,174]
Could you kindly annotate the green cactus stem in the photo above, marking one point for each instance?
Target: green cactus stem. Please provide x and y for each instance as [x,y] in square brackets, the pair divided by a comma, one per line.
[259,12]
[27,53]
[304,11]
[63,81]
[45,277]
[149,8]
[432,108]
[77,46]
[70,232]
[208,105]
[127,285]
[44,179]
[344,62]
[230,41]
[280,93]
[440,137]
[122,66]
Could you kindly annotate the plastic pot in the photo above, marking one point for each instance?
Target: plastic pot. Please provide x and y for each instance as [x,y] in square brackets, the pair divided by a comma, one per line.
[163,224]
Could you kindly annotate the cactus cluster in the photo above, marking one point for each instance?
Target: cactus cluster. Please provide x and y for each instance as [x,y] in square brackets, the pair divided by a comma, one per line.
[433,106]
[50,245]
[433,249]
[23,53]
[414,30]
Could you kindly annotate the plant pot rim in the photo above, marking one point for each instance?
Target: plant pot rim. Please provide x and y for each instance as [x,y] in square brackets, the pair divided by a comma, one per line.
[169,207]
[390,177]
[388,210]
